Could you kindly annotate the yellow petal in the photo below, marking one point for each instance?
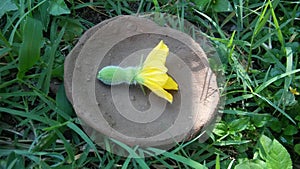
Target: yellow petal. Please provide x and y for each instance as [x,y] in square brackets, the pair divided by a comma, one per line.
[170,84]
[158,90]
[294,91]
[153,74]
[157,57]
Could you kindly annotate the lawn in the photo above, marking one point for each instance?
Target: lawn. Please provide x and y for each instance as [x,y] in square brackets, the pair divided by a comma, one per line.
[258,45]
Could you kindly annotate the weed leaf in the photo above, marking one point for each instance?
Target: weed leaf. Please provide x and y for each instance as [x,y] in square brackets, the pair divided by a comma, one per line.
[274,153]
[221,6]
[6,6]
[249,164]
[58,7]
[29,52]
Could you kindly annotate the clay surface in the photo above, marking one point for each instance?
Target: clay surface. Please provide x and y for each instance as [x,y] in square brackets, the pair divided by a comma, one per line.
[123,112]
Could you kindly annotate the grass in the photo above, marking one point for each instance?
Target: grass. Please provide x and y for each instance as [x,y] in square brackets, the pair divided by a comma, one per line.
[257,42]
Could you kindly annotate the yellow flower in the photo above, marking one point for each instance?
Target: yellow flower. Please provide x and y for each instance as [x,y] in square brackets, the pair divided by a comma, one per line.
[294,91]
[153,73]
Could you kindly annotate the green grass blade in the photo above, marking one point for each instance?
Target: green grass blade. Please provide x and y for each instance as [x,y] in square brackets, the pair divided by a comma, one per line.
[28,115]
[239,98]
[84,137]
[218,166]
[11,38]
[126,163]
[183,160]
[289,67]
[261,21]
[275,106]
[52,105]
[132,153]
[16,94]
[231,142]
[67,145]
[243,113]
[51,56]
[156,5]
[277,27]
[267,83]
[3,40]
[213,22]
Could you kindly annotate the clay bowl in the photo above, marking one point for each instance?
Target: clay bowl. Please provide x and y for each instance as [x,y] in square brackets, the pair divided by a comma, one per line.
[124,112]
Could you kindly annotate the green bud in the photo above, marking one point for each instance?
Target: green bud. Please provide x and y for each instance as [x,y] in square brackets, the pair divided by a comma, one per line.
[114,75]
